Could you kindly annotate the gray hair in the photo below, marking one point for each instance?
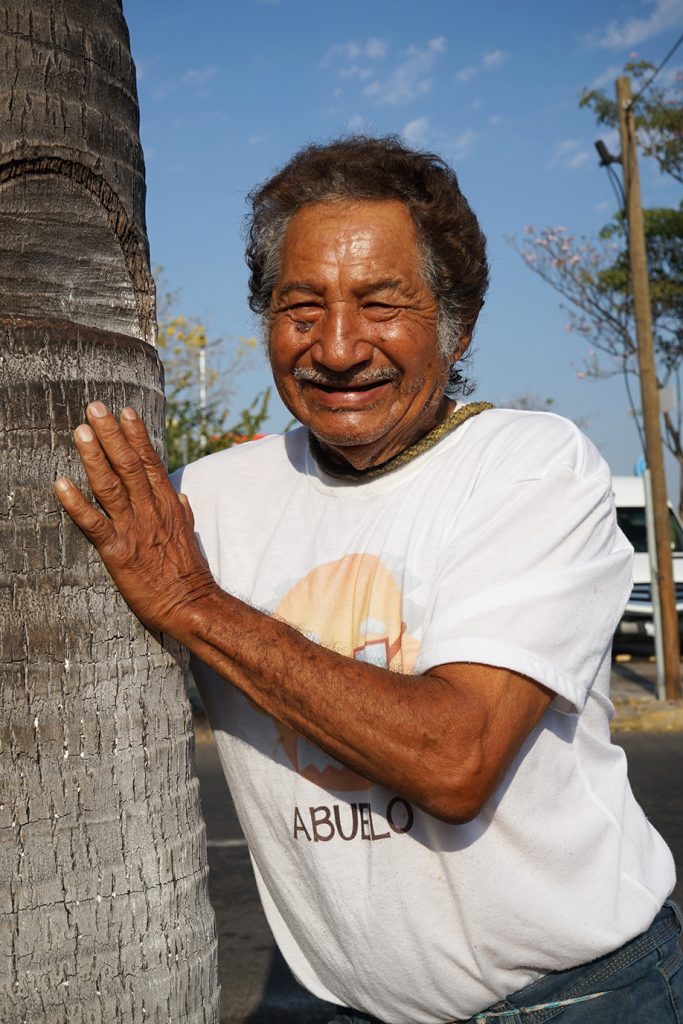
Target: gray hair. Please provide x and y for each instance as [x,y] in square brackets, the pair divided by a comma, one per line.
[453,247]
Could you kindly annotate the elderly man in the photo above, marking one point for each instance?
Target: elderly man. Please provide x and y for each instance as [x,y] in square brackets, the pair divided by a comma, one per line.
[400,617]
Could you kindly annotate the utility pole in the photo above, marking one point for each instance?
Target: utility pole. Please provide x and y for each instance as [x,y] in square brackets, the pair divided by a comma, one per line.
[202,396]
[663,580]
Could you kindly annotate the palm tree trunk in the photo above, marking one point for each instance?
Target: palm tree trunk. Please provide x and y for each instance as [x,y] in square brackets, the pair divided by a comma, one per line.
[104,914]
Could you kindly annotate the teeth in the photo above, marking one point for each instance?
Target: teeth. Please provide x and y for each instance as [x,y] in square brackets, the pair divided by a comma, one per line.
[310,756]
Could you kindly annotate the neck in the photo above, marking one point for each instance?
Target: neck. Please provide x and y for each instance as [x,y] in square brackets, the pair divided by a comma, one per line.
[346,471]
[359,459]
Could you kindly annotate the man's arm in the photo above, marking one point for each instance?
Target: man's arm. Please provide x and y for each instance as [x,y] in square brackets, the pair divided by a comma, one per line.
[443,740]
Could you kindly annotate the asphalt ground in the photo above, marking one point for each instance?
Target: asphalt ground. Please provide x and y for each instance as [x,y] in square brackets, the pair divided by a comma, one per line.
[258,988]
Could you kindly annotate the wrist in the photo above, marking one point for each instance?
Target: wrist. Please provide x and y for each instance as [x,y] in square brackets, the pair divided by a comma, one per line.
[193,621]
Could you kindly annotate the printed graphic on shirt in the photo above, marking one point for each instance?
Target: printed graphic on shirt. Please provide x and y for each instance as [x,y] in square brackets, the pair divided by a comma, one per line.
[352,821]
[352,606]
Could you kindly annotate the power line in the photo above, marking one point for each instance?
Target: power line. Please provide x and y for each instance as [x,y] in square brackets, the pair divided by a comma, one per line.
[617,188]
[657,70]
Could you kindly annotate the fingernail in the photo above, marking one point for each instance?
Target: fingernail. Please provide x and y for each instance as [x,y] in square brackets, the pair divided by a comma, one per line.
[128,414]
[62,485]
[97,409]
[84,433]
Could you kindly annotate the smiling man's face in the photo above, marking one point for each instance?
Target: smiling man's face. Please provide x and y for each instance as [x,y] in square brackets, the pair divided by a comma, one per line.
[353,331]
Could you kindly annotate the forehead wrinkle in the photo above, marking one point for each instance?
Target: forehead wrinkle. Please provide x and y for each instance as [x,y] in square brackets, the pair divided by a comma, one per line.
[384,285]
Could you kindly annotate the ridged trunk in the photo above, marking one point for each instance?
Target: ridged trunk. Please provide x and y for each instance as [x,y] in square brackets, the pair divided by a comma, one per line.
[104,914]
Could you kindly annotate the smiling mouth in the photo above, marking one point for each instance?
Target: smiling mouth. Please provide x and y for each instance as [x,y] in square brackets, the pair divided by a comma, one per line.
[335,389]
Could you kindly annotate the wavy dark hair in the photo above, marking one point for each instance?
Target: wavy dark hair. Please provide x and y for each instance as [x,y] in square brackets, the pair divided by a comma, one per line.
[361,167]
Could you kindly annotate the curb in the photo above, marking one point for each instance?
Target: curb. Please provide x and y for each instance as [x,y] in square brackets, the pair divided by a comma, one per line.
[648,716]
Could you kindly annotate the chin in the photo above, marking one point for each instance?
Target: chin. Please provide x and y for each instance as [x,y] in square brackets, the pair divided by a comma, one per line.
[347,438]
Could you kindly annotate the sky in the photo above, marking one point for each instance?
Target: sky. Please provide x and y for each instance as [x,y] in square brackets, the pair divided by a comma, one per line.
[230,90]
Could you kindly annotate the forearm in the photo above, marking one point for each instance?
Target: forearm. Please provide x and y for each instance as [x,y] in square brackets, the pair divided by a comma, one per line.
[410,733]
[442,740]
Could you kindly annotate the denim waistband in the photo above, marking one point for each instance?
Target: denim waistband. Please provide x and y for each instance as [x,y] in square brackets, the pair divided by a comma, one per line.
[540,1000]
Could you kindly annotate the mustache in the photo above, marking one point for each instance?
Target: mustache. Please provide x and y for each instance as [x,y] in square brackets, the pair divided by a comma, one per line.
[346,378]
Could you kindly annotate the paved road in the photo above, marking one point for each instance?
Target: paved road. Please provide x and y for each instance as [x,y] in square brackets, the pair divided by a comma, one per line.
[257,986]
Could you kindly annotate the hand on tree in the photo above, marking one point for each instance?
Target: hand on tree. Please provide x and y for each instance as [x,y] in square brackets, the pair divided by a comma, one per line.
[145,531]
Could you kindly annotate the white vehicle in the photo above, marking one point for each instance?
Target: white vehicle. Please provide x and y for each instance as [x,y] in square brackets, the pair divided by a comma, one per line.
[637,621]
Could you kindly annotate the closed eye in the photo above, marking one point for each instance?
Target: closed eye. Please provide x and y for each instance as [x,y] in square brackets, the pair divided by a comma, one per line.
[304,305]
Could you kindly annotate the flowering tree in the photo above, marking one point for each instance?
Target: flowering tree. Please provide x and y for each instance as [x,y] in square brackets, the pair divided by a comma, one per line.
[592,275]
[593,278]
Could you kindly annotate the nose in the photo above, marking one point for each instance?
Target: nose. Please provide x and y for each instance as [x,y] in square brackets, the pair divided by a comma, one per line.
[342,338]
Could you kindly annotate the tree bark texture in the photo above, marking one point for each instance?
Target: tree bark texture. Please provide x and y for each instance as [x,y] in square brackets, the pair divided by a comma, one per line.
[104,913]
[72,182]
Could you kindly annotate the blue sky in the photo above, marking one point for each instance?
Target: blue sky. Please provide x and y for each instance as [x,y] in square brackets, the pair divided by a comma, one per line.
[229,90]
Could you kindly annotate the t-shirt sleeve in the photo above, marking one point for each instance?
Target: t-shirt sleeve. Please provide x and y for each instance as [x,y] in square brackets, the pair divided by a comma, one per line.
[535,573]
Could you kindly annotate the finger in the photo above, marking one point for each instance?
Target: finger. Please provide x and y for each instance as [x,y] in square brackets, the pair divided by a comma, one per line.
[189,514]
[123,458]
[93,523]
[136,434]
[104,482]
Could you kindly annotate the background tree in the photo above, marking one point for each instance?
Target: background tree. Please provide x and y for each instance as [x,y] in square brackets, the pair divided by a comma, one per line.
[105,916]
[657,114]
[200,376]
[593,274]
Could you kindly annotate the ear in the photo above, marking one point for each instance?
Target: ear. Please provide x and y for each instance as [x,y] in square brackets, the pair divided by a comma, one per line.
[461,347]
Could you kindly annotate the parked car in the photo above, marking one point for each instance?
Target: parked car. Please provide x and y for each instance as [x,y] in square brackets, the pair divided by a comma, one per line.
[637,624]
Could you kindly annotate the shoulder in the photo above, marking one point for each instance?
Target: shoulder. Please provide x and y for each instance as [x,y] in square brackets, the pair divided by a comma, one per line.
[260,462]
[530,445]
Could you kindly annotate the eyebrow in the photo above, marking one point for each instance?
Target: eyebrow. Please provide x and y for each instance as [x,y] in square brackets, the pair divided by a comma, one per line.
[383,285]
[297,286]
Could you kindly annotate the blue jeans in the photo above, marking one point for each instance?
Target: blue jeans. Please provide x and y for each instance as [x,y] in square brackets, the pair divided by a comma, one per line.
[640,983]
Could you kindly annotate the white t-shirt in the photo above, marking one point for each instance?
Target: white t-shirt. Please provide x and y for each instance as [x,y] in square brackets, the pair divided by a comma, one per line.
[500,546]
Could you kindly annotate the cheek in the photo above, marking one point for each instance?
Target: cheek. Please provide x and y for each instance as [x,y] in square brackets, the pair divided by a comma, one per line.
[285,347]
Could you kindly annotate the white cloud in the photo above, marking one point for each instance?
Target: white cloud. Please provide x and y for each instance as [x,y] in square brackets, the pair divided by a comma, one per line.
[409,79]
[578,159]
[415,132]
[570,154]
[667,14]
[423,135]
[199,76]
[355,71]
[491,61]
[461,146]
[467,73]
[256,140]
[375,48]
[371,49]
[495,119]
[494,59]
[608,77]
[356,123]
